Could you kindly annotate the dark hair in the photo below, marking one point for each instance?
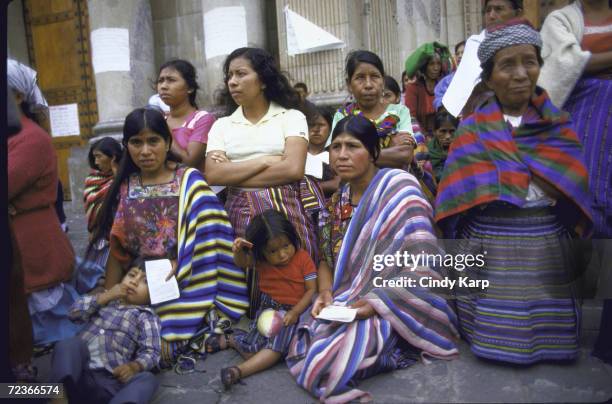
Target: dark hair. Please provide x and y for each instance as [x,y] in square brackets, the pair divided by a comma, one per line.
[108,146]
[362,129]
[267,226]
[188,72]
[354,58]
[313,112]
[26,109]
[392,85]
[423,69]
[277,85]
[516,4]
[442,117]
[138,262]
[151,118]
[301,85]
[487,67]
[459,44]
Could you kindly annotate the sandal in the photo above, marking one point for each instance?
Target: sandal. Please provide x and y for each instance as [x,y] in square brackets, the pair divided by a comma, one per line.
[230,376]
[213,343]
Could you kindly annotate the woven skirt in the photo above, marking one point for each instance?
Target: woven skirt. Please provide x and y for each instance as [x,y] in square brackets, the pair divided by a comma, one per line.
[253,341]
[242,206]
[528,313]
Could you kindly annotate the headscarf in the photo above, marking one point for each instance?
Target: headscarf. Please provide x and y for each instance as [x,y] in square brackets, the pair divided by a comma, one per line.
[22,78]
[517,31]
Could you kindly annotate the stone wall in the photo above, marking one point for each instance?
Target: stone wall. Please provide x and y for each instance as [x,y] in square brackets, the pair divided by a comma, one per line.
[391,28]
[178,33]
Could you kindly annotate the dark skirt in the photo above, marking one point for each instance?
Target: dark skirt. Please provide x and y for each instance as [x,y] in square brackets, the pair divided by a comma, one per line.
[528,313]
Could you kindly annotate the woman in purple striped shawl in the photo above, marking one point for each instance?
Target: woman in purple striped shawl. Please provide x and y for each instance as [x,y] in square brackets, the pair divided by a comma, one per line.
[377,213]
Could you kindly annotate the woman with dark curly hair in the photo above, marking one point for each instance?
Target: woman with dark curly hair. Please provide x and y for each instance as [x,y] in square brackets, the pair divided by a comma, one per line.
[259,149]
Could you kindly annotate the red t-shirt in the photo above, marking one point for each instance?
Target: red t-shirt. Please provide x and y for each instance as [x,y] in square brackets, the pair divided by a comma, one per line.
[287,284]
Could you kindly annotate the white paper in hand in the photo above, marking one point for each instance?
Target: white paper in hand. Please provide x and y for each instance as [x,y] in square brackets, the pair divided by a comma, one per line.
[338,313]
[161,290]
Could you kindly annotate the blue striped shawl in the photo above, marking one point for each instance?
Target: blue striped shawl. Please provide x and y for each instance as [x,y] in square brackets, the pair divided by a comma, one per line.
[392,216]
[206,272]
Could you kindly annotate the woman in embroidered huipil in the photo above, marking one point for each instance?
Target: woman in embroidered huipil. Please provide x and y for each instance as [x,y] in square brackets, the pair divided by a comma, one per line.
[158,209]
[377,212]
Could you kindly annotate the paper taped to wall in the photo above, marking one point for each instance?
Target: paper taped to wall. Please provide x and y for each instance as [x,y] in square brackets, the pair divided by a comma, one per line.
[225,29]
[110,50]
[304,36]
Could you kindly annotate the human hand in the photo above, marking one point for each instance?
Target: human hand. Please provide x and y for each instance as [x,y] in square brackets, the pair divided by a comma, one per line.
[219,157]
[323,300]
[125,372]
[240,244]
[364,309]
[290,318]
[172,271]
[119,291]
[11,210]
[402,139]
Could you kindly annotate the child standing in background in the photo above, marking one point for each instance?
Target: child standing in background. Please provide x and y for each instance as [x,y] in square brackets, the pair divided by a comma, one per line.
[111,359]
[287,282]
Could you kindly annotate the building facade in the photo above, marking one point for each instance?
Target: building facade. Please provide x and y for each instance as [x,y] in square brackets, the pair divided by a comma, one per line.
[58,38]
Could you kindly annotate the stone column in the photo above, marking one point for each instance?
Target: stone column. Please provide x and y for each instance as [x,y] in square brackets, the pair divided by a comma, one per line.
[256,37]
[118,92]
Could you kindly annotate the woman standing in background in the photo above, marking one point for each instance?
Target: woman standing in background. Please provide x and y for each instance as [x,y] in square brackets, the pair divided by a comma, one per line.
[177,87]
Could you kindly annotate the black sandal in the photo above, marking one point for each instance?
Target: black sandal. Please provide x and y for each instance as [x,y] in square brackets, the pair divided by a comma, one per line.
[230,376]
[213,343]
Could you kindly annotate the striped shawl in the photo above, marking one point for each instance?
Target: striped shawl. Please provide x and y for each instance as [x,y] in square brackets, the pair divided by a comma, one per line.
[489,161]
[97,185]
[206,272]
[392,216]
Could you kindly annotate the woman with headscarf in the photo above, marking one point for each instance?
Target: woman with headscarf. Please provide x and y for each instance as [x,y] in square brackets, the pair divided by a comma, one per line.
[515,189]
[376,213]
[42,255]
[577,73]
[430,62]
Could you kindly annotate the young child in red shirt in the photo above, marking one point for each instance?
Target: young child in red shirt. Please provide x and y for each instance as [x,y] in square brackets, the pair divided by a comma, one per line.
[287,282]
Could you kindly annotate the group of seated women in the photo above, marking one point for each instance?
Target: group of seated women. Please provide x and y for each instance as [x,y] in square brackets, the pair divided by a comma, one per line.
[513,185]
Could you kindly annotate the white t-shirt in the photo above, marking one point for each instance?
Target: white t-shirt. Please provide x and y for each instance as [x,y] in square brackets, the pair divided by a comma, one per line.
[242,140]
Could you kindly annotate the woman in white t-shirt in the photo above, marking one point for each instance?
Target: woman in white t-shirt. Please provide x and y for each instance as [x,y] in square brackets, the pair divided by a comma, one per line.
[259,149]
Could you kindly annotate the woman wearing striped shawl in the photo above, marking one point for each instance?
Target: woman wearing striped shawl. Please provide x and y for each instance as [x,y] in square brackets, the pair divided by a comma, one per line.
[104,156]
[157,209]
[378,212]
[514,187]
